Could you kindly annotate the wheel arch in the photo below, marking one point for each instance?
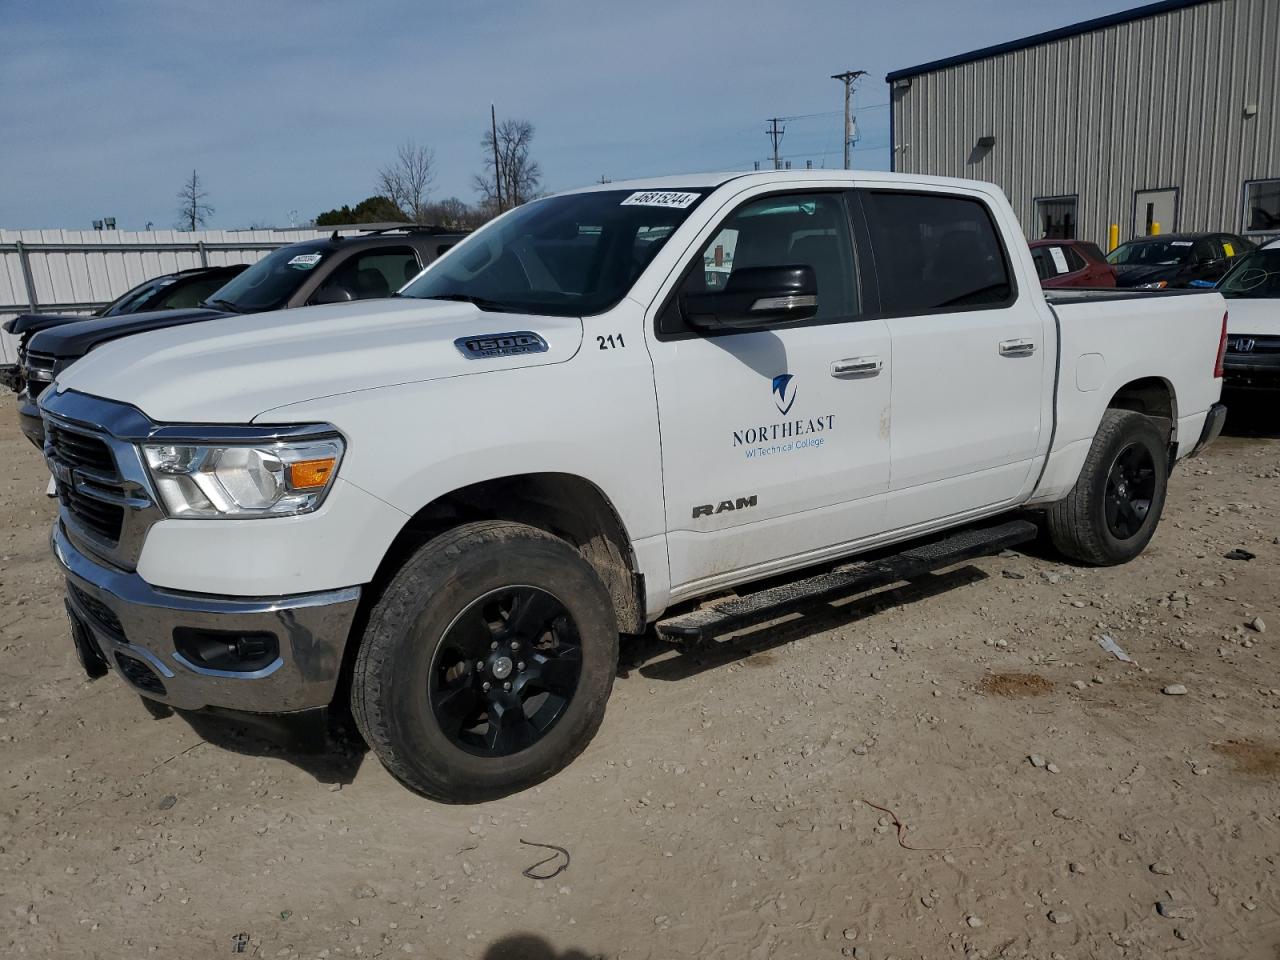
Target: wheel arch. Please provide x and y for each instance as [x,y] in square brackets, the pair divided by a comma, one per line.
[563,504]
[1153,397]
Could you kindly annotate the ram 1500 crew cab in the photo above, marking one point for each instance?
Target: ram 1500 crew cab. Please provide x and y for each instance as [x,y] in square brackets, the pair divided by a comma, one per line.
[444,508]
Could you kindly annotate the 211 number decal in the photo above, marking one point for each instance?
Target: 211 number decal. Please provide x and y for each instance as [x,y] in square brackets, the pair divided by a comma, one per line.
[610,342]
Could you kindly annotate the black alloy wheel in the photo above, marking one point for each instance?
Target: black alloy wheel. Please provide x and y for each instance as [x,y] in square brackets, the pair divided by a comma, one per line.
[1131,486]
[505,671]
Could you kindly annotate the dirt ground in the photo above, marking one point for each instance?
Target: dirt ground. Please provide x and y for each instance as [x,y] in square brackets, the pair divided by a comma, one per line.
[1054,802]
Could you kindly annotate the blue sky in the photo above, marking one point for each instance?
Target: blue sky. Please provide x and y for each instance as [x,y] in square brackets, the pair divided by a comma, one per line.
[106,106]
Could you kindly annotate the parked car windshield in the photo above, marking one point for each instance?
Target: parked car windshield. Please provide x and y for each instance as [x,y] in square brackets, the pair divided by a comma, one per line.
[269,283]
[571,255]
[130,301]
[1151,253]
[1256,275]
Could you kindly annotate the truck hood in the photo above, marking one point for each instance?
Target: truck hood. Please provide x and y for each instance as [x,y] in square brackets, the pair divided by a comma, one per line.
[240,367]
[1256,316]
[29,323]
[71,341]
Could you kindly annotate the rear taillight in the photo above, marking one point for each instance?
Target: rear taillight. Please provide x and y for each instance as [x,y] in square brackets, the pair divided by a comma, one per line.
[1222,350]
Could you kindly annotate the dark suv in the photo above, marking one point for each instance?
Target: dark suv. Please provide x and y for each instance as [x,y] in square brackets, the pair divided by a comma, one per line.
[332,270]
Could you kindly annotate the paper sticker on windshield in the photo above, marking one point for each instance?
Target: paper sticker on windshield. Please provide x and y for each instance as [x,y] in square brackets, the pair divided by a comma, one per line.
[1059,261]
[660,198]
[1228,249]
[305,261]
[1180,243]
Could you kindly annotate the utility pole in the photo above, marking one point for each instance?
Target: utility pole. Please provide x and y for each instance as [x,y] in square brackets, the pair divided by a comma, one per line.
[497,172]
[775,135]
[849,78]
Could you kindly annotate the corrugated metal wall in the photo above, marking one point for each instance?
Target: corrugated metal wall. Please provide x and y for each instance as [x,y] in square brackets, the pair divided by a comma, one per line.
[1152,103]
[75,281]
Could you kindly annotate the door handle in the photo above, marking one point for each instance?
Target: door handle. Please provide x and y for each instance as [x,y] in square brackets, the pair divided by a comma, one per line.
[856,367]
[1017,348]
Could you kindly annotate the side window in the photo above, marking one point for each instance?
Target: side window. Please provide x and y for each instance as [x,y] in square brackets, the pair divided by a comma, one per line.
[935,252]
[803,229]
[189,294]
[375,273]
[1074,260]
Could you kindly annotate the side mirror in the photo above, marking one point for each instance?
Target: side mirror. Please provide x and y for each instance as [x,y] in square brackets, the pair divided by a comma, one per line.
[755,297]
[335,294]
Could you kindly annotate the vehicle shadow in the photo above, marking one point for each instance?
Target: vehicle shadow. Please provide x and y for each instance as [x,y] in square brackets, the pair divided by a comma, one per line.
[1251,416]
[530,946]
[652,659]
[326,747]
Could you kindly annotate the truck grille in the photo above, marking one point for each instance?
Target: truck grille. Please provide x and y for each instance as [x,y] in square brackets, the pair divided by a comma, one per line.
[81,450]
[38,369]
[104,519]
[1243,346]
[101,515]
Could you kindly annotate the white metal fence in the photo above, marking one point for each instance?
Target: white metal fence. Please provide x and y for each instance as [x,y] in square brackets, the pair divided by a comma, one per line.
[77,271]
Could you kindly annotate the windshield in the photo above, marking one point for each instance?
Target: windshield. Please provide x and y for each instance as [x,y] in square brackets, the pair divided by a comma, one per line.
[1150,253]
[269,283]
[131,301]
[572,255]
[1256,275]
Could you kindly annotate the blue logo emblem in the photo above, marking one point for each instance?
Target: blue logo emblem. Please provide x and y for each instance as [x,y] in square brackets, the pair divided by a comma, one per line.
[784,392]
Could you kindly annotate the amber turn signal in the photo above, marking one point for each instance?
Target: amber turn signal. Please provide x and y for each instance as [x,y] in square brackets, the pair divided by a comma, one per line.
[310,474]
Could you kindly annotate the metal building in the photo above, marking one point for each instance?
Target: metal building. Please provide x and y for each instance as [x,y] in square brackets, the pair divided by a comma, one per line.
[1161,118]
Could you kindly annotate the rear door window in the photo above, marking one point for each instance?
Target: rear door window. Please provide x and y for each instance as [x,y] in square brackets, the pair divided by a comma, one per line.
[936,253]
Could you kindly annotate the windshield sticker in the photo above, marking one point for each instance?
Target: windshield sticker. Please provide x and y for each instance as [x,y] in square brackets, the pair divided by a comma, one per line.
[1059,261]
[305,261]
[1180,243]
[1228,249]
[660,198]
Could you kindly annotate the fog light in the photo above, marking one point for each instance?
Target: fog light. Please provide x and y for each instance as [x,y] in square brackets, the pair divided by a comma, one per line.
[227,649]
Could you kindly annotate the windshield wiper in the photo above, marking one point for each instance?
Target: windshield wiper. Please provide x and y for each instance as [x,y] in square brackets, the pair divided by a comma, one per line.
[227,304]
[484,303]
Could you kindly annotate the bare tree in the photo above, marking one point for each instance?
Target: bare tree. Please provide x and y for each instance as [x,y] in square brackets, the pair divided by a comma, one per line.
[519,175]
[407,182]
[193,212]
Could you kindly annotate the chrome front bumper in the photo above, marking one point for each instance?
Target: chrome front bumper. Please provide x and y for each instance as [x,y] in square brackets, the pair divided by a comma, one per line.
[131,625]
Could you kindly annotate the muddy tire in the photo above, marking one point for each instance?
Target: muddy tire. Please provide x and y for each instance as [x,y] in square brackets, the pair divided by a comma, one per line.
[486,663]
[1111,513]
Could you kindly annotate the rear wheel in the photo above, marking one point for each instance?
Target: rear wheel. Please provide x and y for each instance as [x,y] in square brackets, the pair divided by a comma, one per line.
[1111,513]
[486,663]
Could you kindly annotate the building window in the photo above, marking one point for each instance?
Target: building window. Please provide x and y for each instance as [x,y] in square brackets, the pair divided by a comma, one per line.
[1262,206]
[1056,217]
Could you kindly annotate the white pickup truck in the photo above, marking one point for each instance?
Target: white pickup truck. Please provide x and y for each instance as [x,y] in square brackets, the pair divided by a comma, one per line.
[444,508]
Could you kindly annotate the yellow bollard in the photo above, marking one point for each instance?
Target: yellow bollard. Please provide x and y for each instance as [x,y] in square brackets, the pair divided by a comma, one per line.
[1155,229]
[1113,237]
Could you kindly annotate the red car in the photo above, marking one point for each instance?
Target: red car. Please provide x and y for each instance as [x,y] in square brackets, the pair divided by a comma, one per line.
[1071,263]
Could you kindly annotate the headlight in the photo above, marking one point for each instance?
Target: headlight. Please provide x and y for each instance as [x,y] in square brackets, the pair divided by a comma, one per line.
[1154,285]
[197,481]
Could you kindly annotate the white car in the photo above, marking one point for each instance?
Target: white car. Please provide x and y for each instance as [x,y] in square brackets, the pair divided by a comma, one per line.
[444,508]
[1252,289]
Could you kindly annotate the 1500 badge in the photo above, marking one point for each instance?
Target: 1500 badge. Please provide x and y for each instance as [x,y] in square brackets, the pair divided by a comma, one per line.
[710,509]
[500,344]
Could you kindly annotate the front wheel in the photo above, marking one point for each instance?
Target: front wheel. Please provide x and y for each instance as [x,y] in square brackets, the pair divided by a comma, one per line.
[487,662]
[1111,513]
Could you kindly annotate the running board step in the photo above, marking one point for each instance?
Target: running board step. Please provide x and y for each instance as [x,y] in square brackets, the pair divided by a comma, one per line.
[740,612]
